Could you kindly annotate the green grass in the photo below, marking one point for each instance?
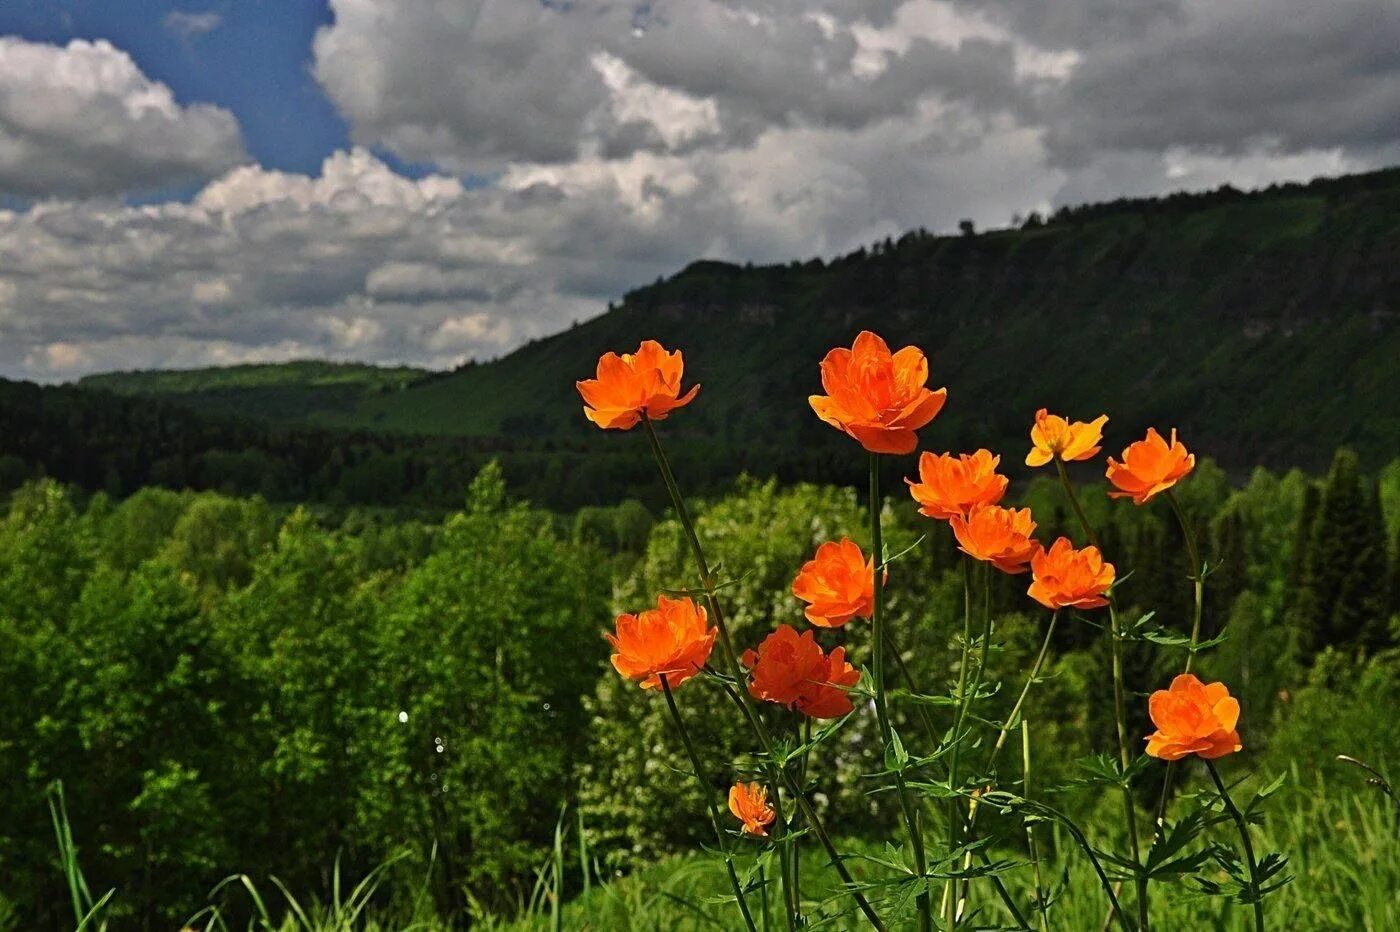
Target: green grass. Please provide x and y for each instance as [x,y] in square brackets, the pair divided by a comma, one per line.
[1343,844]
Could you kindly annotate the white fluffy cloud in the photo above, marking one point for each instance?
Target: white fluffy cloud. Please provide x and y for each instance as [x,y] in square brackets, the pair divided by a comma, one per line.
[82,119]
[621,140]
[362,263]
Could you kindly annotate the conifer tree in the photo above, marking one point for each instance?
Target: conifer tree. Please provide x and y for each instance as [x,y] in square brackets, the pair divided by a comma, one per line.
[1342,595]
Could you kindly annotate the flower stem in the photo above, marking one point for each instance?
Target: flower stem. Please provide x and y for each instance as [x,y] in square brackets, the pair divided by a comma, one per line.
[877,663]
[746,702]
[1031,847]
[1120,709]
[950,906]
[1198,587]
[709,795]
[1197,577]
[1256,895]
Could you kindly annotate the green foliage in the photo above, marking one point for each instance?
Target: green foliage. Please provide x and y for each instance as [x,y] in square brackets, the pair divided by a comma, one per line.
[418,698]
[223,690]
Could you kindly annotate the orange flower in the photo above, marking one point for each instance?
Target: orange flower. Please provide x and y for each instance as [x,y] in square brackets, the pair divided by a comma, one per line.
[877,397]
[838,585]
[671,640]
[628,386]
[749,803]
[949,486]
[1193,718]
[996,535]
[1149,466]
[791,669]
[1069,578]
[1053,436]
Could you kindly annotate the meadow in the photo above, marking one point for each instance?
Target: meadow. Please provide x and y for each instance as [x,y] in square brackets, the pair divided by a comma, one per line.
[266,717]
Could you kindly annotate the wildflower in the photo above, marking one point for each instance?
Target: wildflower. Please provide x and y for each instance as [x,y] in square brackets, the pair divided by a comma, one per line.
[948,487]
[1193,718]
[1069,578]
[647,382]
[1149,466]
[838,585]
[996,535]
[876,397]
[671,640]
[749,803]
[1053,436]
[791,669]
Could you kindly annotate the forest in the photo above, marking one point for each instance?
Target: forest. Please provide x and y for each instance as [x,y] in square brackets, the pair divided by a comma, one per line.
[217,685]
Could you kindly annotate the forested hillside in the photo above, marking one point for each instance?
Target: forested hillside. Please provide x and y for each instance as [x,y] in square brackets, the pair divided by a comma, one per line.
[302,390]
[1265,325]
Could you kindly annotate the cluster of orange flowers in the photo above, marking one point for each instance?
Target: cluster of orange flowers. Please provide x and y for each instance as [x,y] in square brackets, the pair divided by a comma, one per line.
[881,399]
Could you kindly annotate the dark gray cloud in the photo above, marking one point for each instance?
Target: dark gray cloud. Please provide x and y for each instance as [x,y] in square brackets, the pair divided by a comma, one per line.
[1287,75]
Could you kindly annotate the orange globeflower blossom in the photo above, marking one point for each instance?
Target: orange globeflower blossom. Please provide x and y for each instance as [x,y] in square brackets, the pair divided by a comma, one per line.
[948,487]
[791,669]
[749,803]
[876,397]
[1069,578]
[1052,436]
[996,535]
[1149,466]
[838,585]
[628,386]
[672,639]
[1193,718]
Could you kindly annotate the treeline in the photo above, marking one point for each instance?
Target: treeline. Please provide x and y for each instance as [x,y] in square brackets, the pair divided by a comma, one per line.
[119,445]
[222,685]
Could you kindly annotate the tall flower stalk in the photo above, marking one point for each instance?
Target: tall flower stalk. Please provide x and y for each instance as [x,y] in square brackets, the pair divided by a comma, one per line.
[1256,894]
[708,791]
[735,673]
[877,664]
[1120,708]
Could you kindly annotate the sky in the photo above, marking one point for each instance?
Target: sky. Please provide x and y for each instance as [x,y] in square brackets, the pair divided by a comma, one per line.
[209,182]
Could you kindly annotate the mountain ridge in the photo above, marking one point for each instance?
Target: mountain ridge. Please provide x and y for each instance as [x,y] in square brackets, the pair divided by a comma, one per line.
[1235,316]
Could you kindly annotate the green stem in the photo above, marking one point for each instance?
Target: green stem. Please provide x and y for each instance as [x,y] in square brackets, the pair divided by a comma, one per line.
[1197,577]
[1031,847]
[709,795]
[746,702]
[950,906]
[882,714]
[1198,591]
[797,842]
[967,824]
[1120,708]
[1256,893]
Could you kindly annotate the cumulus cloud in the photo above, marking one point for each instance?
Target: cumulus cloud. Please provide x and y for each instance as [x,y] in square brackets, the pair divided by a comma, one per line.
[362,263]
[484,83]
[612,142]
[82,120]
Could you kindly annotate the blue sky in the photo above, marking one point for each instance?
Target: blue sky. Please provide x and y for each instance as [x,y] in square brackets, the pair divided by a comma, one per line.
[429,181]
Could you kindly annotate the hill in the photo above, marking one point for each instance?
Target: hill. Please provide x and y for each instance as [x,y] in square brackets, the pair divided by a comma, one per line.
[1265,325]
[301,390]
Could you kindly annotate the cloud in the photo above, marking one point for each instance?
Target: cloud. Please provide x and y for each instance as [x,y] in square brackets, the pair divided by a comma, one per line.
[189,25]
[1230,78]
[83,120]
[359,262]
[479,85]
[615,142]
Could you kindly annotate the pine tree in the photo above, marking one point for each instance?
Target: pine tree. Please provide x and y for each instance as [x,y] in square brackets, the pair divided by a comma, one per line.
[1342,595]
